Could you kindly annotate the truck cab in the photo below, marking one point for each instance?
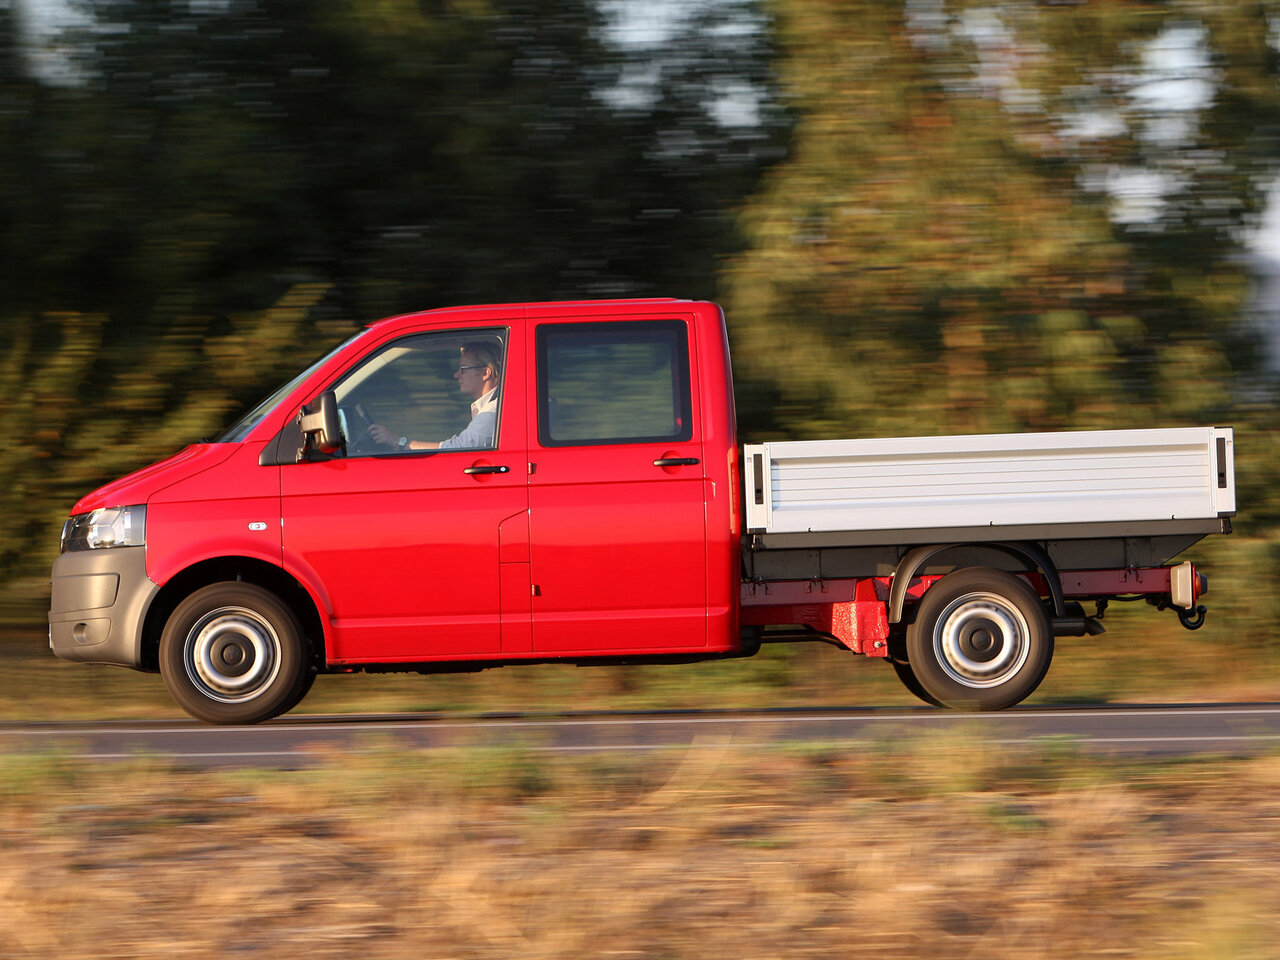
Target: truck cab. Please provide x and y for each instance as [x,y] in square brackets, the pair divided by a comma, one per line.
[356,519]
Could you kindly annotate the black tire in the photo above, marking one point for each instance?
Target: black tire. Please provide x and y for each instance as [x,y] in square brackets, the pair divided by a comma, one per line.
[912,682]
[308,681]
[980,640]
[234,653]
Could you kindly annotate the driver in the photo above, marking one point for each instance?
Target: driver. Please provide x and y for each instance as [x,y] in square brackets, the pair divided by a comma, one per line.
[479,371]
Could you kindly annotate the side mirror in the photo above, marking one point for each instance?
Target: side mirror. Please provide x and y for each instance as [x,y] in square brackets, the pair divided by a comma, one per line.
[320,426]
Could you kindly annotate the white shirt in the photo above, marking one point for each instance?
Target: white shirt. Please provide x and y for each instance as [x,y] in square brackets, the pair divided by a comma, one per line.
[481,430]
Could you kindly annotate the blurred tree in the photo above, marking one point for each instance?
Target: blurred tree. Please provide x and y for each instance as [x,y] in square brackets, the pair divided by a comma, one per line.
[945,249]
[212,191]
[61,443]
[18,106]
[410,153]
[405,153]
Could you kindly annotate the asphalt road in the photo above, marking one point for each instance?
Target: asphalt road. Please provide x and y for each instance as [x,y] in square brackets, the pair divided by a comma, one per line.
[1135,730]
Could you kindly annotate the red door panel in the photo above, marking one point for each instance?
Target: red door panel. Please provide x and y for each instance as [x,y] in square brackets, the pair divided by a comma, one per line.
[407,549]
[618,551]
[617,542]
[417,557]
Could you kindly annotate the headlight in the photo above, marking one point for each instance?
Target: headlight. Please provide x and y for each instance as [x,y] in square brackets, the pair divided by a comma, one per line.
[108,527]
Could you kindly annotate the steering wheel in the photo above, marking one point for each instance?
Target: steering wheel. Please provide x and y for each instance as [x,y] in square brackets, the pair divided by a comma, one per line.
[358,420]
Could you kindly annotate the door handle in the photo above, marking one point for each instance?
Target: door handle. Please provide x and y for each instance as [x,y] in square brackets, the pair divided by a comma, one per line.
[487,470]
[676,462]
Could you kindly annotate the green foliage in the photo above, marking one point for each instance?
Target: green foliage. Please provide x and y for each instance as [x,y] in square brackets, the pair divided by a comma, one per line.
[82,410]
[936,233]
[408,153]
[944,251]
[221,190]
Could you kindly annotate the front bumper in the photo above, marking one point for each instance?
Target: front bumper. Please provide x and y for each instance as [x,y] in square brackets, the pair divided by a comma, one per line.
[99,603]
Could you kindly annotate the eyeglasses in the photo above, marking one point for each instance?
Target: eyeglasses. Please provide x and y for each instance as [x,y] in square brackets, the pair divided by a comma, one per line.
[471,366]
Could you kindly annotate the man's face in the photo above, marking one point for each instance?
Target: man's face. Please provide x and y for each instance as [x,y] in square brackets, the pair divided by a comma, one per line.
[471,376]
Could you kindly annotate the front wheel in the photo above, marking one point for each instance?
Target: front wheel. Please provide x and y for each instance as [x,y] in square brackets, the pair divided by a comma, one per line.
[980,640]
[234,653]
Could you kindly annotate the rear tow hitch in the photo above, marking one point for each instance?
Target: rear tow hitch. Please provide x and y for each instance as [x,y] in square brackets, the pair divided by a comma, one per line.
[1192,620]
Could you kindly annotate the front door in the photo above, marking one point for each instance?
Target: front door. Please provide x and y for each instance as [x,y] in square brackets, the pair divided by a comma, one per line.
[616,487]
[404,540]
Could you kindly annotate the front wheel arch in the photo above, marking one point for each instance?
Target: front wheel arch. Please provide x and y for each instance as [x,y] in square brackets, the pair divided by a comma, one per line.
[241,570]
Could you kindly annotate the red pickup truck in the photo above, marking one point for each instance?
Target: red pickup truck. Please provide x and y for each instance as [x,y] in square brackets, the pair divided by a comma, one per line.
[472,487]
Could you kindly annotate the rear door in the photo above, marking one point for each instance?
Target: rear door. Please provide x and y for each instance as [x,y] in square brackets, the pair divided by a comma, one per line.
[618,528]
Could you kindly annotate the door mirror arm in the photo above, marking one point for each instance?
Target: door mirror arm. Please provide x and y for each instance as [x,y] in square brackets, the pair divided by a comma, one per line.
[320,426]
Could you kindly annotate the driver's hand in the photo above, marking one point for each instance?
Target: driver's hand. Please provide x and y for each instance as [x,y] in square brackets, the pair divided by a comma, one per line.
[382,435]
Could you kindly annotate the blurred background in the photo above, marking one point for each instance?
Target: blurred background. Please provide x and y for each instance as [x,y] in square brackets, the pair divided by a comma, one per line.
[921,216]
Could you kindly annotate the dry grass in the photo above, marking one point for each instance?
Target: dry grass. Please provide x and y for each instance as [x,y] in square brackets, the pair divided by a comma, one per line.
[934,849]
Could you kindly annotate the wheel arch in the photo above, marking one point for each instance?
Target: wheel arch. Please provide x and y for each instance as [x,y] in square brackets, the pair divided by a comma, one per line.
[917,557]
[219,569]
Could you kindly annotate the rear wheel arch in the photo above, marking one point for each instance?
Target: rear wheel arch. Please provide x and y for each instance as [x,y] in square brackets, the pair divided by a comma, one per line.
[1032,554]
[234,569]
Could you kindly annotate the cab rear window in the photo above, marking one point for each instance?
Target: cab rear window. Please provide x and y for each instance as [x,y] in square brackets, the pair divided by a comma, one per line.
[610,383]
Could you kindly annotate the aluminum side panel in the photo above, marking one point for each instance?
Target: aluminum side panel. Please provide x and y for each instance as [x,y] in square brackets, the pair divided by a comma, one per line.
[990,481]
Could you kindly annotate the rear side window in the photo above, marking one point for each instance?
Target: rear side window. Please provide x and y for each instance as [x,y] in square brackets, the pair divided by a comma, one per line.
[601,383]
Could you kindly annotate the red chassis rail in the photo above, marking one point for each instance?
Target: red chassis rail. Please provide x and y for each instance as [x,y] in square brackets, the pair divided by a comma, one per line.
[856,612]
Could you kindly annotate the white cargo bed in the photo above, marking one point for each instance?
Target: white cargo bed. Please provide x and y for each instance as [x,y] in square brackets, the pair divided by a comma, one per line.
[1023,482]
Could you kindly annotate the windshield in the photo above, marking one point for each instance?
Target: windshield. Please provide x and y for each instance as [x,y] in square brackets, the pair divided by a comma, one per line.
[241,428]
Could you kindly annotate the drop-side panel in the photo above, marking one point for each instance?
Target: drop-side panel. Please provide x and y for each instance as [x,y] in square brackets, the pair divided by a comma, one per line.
[997,480]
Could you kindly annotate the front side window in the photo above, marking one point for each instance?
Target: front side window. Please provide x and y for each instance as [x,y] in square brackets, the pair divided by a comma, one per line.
[431,391]
[608,383]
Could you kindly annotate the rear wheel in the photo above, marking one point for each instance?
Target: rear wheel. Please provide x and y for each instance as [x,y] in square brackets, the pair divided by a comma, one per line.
[980,640]
[234,653]
[912,683]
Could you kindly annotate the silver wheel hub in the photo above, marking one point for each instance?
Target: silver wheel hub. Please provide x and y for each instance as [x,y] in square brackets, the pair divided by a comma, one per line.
[981,640]
[232,654]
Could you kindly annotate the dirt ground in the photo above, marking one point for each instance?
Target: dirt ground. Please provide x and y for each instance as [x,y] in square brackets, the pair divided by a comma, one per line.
[937,849]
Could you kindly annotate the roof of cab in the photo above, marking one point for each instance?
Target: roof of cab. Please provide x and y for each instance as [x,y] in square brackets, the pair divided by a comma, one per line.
[616,305]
